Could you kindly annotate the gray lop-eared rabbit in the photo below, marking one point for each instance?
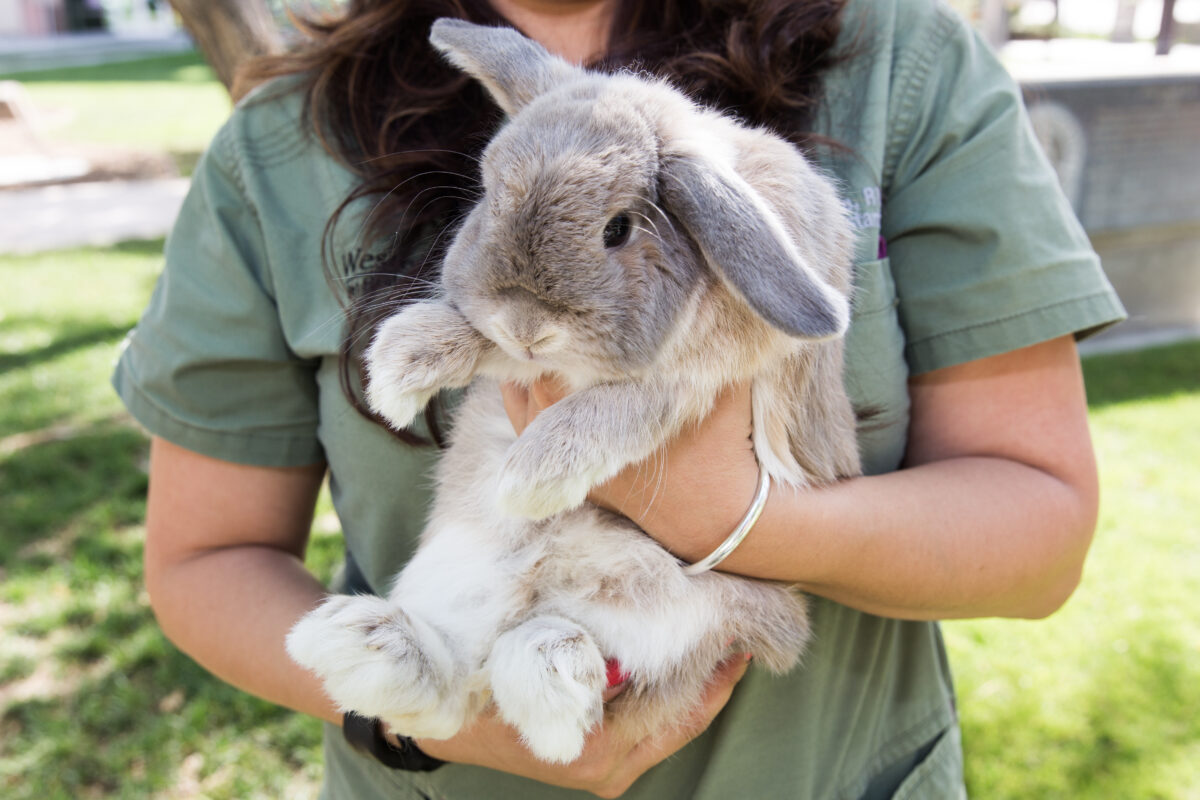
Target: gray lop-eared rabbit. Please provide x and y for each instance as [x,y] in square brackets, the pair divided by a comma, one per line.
[651,253]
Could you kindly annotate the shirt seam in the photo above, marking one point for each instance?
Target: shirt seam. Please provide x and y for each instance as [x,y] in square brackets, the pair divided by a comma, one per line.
[912,72]
[1006,318]
[127,378]
[230,153]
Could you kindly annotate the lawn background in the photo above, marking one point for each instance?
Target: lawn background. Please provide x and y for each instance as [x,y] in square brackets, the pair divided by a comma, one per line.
[1100,701]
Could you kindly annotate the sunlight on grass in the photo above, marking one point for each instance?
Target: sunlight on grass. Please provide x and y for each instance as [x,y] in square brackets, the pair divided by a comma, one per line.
[94,702]
[1100,701]
[61,317]
[171,103]
[1103,699]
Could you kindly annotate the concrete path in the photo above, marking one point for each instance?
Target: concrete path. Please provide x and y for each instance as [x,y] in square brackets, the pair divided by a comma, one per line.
[23,53]
[79,214]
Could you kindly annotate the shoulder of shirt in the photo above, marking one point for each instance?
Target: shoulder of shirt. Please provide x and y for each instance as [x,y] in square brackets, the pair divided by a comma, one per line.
[901,26]
[267,129]
[912,47]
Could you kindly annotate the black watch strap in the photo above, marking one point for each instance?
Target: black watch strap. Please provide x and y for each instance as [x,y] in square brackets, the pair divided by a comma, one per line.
[364,734]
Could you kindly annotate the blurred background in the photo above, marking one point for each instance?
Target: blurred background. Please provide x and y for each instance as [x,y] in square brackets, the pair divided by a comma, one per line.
[105,106]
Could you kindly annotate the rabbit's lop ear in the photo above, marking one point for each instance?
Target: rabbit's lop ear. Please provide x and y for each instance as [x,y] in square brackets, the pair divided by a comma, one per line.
[514,69]
[746,243]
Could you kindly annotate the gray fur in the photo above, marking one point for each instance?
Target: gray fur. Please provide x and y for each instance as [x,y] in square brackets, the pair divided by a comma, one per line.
[738,271]
[514,69]
[721,215]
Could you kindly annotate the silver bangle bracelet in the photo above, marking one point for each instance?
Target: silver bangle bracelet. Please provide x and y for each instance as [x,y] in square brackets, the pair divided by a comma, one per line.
[725,548]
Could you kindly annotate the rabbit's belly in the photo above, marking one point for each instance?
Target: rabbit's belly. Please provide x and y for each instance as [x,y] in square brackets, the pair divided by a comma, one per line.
[469,585]
[628,592]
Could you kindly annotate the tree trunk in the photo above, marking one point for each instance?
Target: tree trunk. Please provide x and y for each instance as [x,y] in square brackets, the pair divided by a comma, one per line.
[994,22]
[230,31]
[1166,32]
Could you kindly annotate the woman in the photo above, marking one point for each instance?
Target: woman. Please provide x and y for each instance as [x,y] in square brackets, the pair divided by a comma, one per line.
[973,282]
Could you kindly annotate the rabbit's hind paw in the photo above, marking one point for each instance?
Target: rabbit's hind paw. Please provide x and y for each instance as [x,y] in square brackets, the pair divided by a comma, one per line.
[373,659]
[548,677]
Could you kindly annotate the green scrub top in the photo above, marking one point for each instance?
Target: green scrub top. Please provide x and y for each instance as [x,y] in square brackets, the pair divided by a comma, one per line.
[966,248]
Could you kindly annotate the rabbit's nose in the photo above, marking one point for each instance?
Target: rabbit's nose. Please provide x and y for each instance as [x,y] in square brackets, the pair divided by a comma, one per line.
[546,343]
[526,338]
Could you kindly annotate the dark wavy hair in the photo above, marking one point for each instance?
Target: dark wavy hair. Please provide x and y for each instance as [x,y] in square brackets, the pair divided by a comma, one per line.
[412,127]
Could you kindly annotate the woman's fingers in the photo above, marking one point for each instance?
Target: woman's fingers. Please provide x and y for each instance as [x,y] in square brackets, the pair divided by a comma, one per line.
[522,403]
[719,690]
[547,391]
[516,404]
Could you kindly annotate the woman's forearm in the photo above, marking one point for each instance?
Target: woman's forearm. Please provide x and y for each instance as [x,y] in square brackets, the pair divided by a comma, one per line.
[992,516]
[964,537]
[225,572]
[230,610]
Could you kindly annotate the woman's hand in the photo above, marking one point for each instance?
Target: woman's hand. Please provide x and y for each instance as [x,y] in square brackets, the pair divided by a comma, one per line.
[608,765]
[690,493]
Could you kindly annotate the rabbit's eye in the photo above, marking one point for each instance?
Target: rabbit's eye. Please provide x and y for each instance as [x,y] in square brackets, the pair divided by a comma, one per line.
[616,232]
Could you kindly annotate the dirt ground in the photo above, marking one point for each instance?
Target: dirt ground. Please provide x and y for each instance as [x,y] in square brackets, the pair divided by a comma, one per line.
[103,162]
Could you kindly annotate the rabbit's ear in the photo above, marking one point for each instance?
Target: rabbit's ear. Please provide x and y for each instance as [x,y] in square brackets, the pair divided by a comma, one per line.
[514,69]
[745,241]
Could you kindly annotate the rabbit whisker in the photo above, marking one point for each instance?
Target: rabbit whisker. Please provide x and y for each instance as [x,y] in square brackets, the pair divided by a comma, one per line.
[473,158]
[418,194]
[647,231]
[649,222]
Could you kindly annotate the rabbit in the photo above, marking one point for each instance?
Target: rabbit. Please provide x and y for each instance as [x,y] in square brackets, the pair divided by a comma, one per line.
[649,252]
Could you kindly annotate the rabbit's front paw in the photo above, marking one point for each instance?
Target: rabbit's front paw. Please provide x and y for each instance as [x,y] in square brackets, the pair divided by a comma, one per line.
[374,660]
[534,484]
[403,376]
[399,403]
[416,352]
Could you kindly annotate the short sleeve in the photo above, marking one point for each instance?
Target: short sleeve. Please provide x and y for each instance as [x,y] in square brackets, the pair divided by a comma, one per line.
[986,252]
[208,366]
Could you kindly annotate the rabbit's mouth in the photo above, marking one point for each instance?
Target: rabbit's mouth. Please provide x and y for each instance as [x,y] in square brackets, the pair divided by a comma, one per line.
[524,339]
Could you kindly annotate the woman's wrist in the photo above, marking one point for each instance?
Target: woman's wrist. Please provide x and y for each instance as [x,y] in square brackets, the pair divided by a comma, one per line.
[372,737]
[687,508]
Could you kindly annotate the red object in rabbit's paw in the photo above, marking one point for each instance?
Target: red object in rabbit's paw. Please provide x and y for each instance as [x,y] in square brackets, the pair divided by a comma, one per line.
[615,674]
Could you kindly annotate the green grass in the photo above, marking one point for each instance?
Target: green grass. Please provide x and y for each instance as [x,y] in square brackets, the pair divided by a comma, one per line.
[1103,699]
[1100,701]
[168,104]
[94,702]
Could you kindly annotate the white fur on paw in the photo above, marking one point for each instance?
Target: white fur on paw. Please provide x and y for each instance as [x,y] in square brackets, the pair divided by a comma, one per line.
[547,682]
[372,659]
[521,497]
[535,485]
[555,739]
[396,402]
[404,370]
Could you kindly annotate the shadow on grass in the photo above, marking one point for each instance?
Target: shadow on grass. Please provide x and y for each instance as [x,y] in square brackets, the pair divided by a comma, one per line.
[1134,721]
[187,67]
[108,707]
[90,481]
[1144,374]
[72,335]
[125,725]
[139,247]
